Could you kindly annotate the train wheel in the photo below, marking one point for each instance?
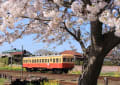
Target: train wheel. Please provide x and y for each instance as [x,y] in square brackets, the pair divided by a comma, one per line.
[35,69]
[28,69]
[65,70]
[57,71]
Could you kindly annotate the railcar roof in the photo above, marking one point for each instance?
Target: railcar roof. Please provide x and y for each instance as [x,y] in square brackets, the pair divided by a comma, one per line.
[50,56]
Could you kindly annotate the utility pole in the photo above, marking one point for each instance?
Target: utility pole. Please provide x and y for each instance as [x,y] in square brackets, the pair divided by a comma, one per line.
[22,61]
[11,60]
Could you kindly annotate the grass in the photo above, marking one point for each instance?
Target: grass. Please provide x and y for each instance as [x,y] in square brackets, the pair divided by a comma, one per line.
[112,74]
[15,68]
[2,81]
[74,72]
[51,82]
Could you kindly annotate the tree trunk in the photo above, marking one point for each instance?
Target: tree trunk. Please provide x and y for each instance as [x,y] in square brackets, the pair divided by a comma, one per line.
[91,73]
[101,44]
[95,56]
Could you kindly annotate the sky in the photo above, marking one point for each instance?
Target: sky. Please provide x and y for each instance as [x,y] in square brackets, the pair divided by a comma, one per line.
[30,45]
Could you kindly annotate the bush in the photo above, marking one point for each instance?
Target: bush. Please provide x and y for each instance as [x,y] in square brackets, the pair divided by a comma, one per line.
[5,60]
[109,63]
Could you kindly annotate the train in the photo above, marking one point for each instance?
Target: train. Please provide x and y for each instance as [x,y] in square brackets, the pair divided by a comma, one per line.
[55,63]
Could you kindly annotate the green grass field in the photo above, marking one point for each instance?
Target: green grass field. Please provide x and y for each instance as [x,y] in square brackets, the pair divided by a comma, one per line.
[2,81]
[112,74]
[13,67]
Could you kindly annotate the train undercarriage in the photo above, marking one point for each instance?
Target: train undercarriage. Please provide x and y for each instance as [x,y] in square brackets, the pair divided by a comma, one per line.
[44,70]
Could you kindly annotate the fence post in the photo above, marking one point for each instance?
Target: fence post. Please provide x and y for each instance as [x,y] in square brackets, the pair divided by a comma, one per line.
[105,81]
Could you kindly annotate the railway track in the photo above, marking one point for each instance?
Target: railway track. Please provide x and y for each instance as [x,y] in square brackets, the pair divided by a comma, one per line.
[62,78]
[68,79]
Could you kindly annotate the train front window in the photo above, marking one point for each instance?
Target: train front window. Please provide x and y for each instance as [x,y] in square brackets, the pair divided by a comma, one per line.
[68,59]
[64,59]
[72,59]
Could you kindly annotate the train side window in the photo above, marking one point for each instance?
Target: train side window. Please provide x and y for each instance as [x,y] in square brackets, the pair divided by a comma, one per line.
[56,60]
[53,60]
[40,60]
[37,60]
[33,60]
[45,60]
[29,61]
[48,60]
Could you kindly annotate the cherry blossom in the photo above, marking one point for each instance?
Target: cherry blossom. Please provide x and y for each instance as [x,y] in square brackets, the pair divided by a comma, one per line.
[49,17]
[117,2]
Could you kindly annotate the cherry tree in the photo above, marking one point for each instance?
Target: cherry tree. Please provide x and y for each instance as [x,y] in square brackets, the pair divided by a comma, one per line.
[58,20]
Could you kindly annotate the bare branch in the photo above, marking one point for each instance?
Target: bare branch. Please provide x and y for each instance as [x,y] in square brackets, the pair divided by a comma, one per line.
[110,2]
[36,18]
[24,29]
[76,38]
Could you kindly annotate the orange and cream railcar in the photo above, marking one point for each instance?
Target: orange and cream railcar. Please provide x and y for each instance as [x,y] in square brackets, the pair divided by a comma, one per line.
[61,63]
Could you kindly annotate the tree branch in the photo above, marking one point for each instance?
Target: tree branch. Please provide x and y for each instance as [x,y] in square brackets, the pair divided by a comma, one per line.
[36,18]
[86,2]
[76,38]
[110,41]
[107,6]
